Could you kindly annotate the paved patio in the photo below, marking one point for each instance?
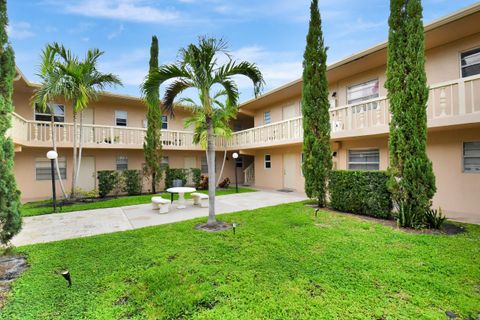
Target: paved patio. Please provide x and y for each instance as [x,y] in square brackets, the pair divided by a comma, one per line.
[54,227]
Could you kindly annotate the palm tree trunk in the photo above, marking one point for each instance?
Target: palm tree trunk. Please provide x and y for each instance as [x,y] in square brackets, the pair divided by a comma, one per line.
[223,165]
[80,148]
[211,171]
[74,174]
[54,146]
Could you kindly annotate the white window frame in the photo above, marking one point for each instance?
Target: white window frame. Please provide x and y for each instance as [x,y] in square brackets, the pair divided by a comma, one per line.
[460,60]
[117,162]
[265,117]
[164,122]
[363,163]
[117,112]
[265,161]
[46,164]
[464,157]
[47,114]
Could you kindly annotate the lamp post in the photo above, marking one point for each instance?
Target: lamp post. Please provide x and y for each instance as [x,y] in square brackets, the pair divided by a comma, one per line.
[52,155]
[235,156]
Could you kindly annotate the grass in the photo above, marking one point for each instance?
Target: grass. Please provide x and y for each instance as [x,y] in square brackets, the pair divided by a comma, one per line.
[33,209]
[281,264]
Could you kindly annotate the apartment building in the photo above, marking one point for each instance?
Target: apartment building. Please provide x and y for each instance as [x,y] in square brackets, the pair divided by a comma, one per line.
[269,130]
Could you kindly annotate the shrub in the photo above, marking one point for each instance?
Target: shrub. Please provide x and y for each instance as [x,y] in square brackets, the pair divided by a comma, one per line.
[362,192]
[107,181]
[175,174]
[407,217]
[225,183]
[434,218]
[132,182]
[203,185]
[196,176]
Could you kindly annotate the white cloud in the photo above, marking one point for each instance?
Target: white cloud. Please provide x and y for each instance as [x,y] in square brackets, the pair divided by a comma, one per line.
[127,10]
[20,30]
[116,33]
[131,67]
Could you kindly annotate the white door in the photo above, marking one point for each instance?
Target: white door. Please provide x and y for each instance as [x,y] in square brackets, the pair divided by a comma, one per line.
[289,112]
[289,170]
[86,178]
[189,163]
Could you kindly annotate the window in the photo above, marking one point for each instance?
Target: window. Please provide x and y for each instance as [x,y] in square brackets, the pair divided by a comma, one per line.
[364,159]
[268,161]
[43,169]
[362,92]
[165,122]
[164,162]
[121,118]
[204,165]
[58,111]
[471,156]
[470,61]
[266,117]
[122,163]
[239,162]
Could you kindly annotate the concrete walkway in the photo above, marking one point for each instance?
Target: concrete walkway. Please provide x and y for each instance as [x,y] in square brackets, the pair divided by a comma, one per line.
[53,227]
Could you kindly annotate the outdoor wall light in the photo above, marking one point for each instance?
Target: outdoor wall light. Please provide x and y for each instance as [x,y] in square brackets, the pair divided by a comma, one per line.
[334,94]
[66,275]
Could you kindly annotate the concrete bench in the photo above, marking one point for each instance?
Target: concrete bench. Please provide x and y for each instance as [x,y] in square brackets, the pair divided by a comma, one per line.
[158,203]
[200,199]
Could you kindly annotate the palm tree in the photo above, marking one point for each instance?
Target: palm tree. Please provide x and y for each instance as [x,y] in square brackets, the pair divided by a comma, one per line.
[198,67]
[77,82]
[223,113]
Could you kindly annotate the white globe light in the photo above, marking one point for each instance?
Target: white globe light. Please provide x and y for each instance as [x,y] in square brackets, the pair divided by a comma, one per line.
[235,155]
[52,155]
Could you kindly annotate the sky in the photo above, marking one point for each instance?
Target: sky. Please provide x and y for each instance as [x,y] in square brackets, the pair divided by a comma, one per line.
[270,33]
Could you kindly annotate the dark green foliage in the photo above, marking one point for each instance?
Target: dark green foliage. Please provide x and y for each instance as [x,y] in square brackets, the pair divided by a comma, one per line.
[132,182]
[434,218]
[362,192]
[108,180]
[412,181]
[152,146]
[10,220]
[316,122]
[196,176]
[175,174]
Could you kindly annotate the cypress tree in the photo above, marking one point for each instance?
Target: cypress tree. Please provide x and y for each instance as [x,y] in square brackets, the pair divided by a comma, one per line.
[411,181]
[10,220]
[152,146]
[317,163]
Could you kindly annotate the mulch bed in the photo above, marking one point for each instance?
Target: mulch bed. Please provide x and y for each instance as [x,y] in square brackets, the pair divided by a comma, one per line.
[11,267]
[214,227]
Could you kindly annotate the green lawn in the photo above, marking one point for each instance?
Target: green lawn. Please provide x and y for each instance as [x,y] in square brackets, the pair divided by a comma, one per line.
[33,209]
[281,264]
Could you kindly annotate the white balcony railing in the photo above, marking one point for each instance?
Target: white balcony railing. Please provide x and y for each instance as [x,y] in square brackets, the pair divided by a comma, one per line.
[450,103]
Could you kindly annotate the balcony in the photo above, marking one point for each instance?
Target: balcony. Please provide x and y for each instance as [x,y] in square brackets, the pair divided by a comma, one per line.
[39,134]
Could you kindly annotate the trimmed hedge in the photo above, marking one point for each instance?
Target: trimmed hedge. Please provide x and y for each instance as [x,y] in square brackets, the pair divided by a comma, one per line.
[175,174]
[132,182]
[107,181]
[361,192]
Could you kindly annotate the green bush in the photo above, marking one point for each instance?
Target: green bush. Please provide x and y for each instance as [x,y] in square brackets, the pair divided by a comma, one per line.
[107,181]
[132,182]
[175,174]
[196,176]
[362,192]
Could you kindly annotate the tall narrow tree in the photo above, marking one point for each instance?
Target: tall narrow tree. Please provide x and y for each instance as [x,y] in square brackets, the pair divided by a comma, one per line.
[10,220]
[317,161]
[152,146]
[411,175]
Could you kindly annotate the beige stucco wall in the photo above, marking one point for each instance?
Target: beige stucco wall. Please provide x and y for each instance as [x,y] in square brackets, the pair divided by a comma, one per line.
[24,167]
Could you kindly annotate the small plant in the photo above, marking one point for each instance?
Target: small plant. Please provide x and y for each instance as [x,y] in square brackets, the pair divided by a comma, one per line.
[108,180]
[86,194]
[408,218]
[132,182]
[175,174]
[225,183]
[196,176]
[434,218]
[203,183]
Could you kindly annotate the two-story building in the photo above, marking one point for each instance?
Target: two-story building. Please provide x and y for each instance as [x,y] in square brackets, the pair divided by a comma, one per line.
[269,130]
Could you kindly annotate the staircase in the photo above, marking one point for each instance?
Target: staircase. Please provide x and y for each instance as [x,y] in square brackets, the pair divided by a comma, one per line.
[249,175]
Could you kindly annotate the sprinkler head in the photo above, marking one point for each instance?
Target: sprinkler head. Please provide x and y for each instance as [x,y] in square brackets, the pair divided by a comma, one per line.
[66,275]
